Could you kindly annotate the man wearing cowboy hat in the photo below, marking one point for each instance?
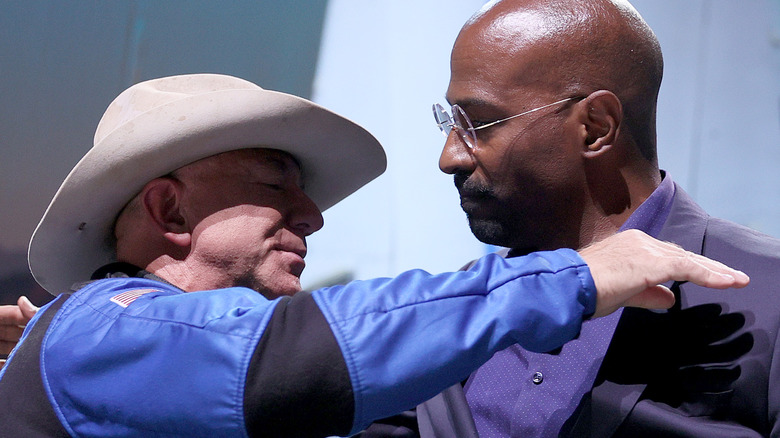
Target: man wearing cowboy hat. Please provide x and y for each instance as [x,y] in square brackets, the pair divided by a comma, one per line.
[208,184]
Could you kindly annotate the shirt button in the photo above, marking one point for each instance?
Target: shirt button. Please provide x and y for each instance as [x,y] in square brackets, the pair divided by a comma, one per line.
[538,377]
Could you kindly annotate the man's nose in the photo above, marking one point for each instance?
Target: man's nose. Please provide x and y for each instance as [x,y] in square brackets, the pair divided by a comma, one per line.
[305,216]
[456,156]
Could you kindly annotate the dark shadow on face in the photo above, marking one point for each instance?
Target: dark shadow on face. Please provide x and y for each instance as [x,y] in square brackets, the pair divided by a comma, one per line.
[526,188]
[491,231]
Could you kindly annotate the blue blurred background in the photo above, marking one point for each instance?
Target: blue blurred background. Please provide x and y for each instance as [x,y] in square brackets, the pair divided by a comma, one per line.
[381,64]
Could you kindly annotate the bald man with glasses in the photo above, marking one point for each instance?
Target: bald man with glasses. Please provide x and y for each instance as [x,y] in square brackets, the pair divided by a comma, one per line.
[551,142]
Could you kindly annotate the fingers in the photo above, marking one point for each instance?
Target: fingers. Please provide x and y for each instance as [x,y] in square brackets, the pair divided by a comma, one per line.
[665,261]
[27,308]
[12,316]
[675,263]
[629,267]
[13,319]
[706,272]
[654,297]
[10,332]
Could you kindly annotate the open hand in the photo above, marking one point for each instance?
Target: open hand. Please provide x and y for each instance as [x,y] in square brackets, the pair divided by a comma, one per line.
[629,267]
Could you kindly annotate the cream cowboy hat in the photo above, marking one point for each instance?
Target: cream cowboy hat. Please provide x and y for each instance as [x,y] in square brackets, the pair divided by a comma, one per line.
[157,126]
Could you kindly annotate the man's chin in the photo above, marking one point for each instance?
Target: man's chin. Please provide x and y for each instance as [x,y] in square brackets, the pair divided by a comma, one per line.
[279,286]
[489,231]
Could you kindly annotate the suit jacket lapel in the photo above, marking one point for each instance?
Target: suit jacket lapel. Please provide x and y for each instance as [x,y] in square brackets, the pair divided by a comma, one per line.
[685,226]
[446,415]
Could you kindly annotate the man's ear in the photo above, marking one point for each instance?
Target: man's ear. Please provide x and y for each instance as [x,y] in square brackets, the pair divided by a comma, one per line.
[600,118]
[162,201]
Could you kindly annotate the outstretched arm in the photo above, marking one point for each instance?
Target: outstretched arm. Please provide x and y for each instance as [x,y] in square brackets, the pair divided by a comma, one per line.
[526,300]
[330,362]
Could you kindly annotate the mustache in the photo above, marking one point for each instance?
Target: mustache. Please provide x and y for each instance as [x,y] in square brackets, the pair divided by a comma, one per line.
[469,188]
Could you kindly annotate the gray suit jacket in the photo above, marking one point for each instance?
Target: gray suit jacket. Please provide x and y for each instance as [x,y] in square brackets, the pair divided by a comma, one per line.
[707,368]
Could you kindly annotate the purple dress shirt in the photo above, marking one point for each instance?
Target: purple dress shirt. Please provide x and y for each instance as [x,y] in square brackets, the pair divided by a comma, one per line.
[518,393]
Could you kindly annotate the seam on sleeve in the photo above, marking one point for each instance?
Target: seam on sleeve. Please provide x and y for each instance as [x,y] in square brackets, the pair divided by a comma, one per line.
[576,268]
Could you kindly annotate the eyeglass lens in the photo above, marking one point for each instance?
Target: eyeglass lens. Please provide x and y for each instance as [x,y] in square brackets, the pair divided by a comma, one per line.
[459,120]
[465,128]
[443,119]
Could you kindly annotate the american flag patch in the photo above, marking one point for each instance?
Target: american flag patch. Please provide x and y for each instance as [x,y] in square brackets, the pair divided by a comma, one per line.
[125,298]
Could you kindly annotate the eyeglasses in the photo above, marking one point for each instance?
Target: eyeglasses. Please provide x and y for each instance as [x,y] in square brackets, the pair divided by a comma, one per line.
[463,126]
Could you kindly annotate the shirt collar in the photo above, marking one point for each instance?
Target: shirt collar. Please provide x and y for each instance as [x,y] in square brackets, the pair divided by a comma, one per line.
[651,215]
[119,270]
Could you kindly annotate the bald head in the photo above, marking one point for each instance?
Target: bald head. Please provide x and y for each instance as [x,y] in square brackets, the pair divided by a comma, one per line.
[574,47]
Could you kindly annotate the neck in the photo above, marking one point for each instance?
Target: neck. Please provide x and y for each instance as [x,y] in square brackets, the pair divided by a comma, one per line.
[615,197]
[174,272]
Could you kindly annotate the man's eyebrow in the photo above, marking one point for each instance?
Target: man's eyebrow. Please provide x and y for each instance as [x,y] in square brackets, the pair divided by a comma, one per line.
[471,102]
